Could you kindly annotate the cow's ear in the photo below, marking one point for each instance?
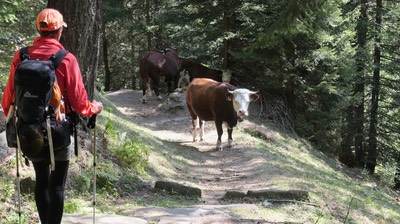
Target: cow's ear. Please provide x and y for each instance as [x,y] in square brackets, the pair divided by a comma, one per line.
[254,96]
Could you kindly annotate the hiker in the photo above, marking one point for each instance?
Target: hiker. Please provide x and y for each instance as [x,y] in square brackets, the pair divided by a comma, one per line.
[49,189]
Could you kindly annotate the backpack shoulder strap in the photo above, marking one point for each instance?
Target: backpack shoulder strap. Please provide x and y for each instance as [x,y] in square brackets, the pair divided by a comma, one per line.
[58,57]
[23,54]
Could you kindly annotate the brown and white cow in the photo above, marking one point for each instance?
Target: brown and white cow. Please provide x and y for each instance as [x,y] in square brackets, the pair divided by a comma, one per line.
[208,100]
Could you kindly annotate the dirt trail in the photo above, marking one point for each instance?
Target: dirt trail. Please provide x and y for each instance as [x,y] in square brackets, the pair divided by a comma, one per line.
[242,168]
[215,172]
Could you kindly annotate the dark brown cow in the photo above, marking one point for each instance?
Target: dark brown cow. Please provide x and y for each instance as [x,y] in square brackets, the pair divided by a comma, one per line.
[197,70]
[209,100]
[153,65]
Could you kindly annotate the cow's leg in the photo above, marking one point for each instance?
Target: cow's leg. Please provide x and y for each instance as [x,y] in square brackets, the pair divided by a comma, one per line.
[194,119]
[231,143]
[144,88]
[169,83]
[201,126]
[176,80]
[156,87]
[144,98]
[194,123]
[218,125]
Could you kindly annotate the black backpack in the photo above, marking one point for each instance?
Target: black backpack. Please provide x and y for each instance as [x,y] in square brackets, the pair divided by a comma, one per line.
[34,117]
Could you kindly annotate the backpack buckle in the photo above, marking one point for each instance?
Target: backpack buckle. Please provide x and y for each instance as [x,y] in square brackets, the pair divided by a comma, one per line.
[25,57]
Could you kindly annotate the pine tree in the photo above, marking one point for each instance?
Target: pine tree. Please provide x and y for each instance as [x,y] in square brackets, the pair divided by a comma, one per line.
[82,35]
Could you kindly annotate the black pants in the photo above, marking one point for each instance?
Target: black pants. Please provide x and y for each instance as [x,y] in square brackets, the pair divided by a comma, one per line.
[49,190]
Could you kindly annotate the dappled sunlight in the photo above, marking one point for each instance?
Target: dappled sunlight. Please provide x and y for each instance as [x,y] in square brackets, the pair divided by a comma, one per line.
[267,160]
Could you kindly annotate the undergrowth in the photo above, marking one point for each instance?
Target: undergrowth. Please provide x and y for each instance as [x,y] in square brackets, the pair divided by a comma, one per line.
[131,153]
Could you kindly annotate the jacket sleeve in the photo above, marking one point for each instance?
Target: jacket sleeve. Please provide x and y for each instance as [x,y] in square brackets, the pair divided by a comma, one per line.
[8,94]
[75,92]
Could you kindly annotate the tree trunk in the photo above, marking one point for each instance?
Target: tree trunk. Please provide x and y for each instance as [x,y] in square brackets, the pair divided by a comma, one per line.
[373,142]
[359,130]
[346,155]
[353,129]
[361,60]
[107,73]
[133,73]
[81,37]
[148,34]
[397,174]
[226,42]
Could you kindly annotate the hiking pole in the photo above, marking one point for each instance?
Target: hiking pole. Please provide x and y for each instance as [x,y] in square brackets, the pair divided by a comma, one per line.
[18,177]
[52,160]
[92,125]
[18,185]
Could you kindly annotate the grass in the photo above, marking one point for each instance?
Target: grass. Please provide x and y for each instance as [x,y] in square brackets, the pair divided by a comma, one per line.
[336,191]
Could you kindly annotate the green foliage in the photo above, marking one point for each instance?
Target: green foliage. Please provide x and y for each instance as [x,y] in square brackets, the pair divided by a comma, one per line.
[7,11]
[110,129]
[16,30]
[132,154]
[106,179]
[7,185]
[7,188]
[127,183]
[13,218]
[175,202]
[83,182]
[73,206]
[301,55]
[114,10]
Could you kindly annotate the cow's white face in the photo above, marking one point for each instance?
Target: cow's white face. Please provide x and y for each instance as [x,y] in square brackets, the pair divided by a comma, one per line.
[241,99]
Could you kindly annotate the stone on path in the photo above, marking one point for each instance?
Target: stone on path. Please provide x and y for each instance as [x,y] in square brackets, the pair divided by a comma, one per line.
[100,219]
[296,195]
[210,214]
[177,188]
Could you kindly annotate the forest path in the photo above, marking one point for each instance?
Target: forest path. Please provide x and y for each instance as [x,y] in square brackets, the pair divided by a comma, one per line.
[242,168]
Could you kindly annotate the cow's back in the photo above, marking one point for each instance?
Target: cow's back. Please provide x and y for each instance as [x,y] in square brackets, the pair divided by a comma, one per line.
[206,99]
[154,64]
[149,64]
[172,65]
[197,70]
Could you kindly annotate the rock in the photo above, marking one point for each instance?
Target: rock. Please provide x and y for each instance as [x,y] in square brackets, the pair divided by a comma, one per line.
[227,214]
[176,96]
[175,101]
[2,120]
[176,188]
[3,146]
[27,185]
[234,194]
[100,219]
[296,195]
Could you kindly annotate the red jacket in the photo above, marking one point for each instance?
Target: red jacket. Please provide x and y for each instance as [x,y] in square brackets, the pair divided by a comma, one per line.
[68,74]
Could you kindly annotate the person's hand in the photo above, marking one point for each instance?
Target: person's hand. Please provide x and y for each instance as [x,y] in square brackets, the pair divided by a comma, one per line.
[98,106]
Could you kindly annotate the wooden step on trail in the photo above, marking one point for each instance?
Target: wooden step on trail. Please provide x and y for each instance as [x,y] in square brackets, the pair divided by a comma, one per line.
[177,188]
[270,194]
